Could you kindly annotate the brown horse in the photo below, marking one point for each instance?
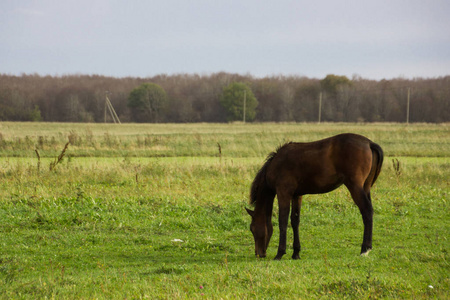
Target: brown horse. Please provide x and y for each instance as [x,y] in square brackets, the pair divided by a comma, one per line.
[296,169]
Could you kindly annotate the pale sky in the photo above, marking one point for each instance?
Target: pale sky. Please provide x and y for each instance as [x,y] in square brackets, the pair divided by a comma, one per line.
[373,39]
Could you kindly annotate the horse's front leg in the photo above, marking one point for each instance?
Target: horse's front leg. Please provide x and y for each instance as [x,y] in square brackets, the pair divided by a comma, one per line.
[284,204]
[295,221]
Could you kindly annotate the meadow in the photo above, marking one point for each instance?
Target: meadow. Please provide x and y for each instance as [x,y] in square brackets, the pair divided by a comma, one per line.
[156,211]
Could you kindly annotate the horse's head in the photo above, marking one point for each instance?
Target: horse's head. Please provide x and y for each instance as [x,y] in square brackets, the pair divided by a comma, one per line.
[262,230]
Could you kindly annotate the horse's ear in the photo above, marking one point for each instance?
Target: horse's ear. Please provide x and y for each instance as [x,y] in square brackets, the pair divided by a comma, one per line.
[250,212]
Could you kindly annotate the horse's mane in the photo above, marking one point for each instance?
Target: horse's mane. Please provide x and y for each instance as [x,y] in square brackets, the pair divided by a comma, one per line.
[260,179]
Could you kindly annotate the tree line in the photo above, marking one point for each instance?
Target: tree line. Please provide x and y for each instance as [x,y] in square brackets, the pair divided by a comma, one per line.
[209,98]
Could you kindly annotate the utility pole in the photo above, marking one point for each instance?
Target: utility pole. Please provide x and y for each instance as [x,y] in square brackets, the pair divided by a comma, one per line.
[245,100]
[109,106]
[407,106]
[320,106]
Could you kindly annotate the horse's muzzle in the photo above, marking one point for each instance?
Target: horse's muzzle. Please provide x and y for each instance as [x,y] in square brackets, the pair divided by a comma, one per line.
[260,255]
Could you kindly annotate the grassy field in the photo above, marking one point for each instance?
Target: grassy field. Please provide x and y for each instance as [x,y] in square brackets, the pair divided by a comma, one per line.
[157,212]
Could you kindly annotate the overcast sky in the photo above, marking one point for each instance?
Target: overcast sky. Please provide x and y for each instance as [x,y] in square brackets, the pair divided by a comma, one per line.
[373,39]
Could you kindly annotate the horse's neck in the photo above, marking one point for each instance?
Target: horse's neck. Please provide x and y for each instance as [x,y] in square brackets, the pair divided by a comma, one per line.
[264,208]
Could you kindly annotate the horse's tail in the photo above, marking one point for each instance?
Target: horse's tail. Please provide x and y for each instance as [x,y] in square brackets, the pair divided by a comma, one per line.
[377,162]
[259,183]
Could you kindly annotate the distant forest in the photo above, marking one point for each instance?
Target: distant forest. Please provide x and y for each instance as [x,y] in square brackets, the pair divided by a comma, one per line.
[197,98]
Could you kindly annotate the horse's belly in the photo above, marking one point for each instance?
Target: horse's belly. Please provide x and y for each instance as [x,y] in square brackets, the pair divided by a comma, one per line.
[319,184]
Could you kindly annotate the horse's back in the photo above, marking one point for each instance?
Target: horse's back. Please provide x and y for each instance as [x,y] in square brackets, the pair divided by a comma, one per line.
[320,166]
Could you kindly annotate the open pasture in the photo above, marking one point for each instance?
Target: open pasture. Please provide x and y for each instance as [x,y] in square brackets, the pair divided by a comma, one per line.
[157,212]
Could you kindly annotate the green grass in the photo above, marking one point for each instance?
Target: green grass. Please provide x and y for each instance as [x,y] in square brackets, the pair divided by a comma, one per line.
[202,140]
[108,225]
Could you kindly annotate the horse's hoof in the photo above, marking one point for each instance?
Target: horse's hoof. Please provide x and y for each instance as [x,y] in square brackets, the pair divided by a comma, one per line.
[295,256]
[366,253]
[279,255]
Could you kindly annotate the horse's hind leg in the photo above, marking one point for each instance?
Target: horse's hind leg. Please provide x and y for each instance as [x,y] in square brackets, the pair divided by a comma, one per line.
[364,203]
[295,221]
